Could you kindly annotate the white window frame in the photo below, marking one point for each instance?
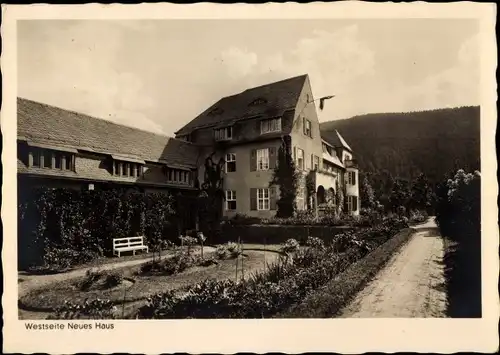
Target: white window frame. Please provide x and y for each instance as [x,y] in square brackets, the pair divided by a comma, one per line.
[270,125]
[263,159]
[299,153]
[224,134]
[231,197]
[230,158]
[264,196]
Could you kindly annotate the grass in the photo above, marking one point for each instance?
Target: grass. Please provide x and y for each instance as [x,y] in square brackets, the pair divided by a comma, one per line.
[104,260]
[328,301]
[48,298]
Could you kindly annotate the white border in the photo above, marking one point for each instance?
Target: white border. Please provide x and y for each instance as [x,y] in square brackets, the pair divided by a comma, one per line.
[290,336]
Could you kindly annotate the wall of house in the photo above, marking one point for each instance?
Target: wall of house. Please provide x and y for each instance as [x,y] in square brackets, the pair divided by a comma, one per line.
[353,190]
[242,180]
[299,139]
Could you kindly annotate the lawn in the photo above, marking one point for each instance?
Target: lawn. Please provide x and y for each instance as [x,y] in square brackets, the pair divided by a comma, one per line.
[135,289]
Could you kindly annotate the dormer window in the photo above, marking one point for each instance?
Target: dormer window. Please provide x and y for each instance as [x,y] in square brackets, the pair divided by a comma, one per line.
[224,134]
[270,125]
[216,111]
[259,101]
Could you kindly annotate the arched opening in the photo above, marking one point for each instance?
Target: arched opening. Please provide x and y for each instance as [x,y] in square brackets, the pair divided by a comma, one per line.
[320,195]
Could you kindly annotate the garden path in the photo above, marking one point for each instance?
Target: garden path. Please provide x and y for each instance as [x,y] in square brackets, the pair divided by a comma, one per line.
[411,285]
[31,282]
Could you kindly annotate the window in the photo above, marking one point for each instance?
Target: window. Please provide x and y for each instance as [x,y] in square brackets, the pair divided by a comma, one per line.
[223,134]
[263,200]
[300,159]
[230,200]
[307,128]
[263,159]
[351,178]
[352,203]
[271,125]
[126,169]
[230,163]
[259,101]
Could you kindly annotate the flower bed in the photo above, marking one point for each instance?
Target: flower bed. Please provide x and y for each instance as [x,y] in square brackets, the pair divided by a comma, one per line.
[282,285]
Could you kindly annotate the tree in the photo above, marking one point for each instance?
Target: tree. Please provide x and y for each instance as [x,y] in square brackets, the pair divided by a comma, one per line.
[212,196]
[367,195]
[339,197]
[421,193]
[400,194]
[286,177]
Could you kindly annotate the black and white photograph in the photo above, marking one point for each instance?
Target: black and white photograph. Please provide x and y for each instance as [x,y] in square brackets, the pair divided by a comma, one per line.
[248,168]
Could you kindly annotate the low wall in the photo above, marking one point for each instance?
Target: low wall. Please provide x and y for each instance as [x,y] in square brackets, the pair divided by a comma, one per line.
[276,234]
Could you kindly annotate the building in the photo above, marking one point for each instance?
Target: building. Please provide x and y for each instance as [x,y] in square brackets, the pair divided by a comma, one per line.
[248,128]
[61,148]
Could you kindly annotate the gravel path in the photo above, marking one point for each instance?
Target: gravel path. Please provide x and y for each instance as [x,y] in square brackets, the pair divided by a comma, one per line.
[411,285]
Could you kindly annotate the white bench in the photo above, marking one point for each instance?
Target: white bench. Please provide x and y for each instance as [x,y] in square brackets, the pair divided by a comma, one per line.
[121,245]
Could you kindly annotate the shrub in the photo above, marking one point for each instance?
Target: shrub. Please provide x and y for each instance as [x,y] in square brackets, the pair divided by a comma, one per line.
[90,279]
[233,249]
[72,227]
[290,246]
[242,219]
[315,242]
[94,309]
[418,216]
[113,279]
[265,294]
[221,251]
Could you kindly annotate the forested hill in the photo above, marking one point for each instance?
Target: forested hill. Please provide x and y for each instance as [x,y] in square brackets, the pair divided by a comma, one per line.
[405,144]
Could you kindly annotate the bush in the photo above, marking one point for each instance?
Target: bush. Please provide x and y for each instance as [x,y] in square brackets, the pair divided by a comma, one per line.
[290,246]
[458,214]
[94,309]
[90,279]
[71,227]
[242,219]
[268,293]
[113,279]
[418,216]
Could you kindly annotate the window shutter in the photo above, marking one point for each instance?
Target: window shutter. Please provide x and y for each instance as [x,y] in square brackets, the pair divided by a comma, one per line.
[253,199]
[295,154]
[354,203]
[312,161]
[304,125]
[353,178]
[253,160]
[272,198]
[272,157]
[310,129]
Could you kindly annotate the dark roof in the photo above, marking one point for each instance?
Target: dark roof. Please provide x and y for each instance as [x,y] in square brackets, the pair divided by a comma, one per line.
[336,140]
[264,101]
[41,123]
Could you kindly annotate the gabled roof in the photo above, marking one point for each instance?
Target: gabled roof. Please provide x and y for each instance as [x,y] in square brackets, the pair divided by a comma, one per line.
[45,124]
[336,140]
[264,101]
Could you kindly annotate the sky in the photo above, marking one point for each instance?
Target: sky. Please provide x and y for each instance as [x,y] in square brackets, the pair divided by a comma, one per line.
[157,75]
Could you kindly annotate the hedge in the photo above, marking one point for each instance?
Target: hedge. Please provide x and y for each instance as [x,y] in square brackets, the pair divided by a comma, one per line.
[277,234]
[59,227]
[458,215]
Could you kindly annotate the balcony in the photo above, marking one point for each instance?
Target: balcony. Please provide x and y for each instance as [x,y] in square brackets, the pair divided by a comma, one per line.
[324,178]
